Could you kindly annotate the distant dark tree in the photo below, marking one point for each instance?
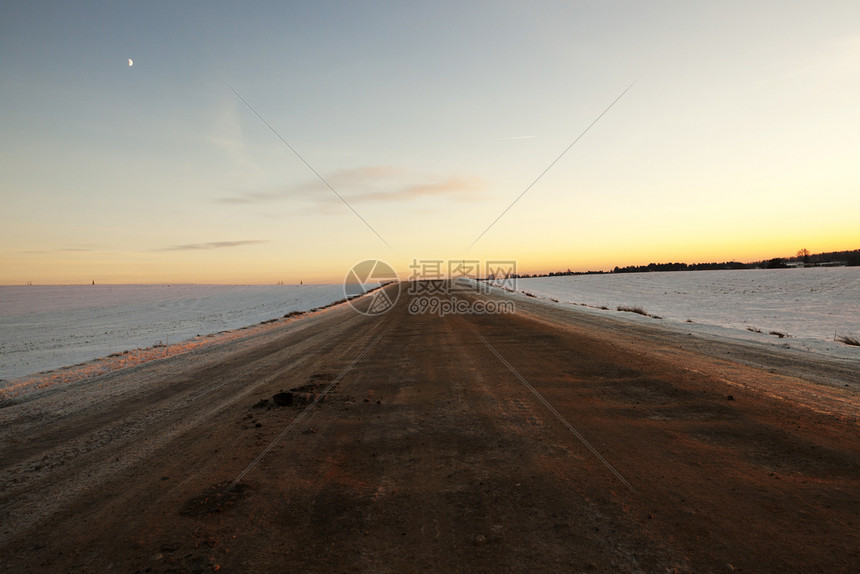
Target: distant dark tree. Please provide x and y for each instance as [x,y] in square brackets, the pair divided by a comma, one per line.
[775,263]
[804,254]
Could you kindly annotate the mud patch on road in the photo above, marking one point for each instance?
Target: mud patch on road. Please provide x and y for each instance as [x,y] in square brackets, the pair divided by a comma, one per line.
[301,395]
[215,499]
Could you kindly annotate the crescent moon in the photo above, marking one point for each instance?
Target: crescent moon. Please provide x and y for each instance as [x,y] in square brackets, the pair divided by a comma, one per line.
[130,62]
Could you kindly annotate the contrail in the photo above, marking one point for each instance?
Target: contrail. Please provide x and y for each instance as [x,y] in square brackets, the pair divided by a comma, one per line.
[550,166]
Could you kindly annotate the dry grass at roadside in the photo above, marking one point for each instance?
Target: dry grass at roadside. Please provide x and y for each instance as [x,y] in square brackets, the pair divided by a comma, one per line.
[848,340]
[638,311]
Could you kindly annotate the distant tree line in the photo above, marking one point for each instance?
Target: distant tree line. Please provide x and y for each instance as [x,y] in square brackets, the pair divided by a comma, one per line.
[848,258]
[804,257]
[557,274]
[807,259]
[681,267]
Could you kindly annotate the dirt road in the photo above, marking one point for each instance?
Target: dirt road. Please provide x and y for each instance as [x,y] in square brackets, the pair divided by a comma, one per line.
[547,440]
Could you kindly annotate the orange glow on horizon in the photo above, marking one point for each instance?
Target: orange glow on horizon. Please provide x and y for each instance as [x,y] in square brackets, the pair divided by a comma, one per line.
[231,268]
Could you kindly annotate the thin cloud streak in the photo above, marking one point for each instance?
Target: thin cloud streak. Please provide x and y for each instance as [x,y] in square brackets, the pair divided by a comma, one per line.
[57,250]
[387,181]
[212,245]
[457,188]
[257,197]
[341,178]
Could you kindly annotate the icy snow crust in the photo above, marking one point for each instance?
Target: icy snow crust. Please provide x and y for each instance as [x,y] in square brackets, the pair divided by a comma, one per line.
[48,327]
[808,305]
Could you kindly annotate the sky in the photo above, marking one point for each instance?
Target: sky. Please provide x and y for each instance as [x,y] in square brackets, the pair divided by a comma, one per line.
[738,139]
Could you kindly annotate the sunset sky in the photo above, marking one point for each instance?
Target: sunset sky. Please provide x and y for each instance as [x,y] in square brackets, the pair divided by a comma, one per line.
[740,139]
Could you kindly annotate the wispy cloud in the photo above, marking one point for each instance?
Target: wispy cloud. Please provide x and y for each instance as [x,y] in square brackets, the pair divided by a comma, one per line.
[212,245]
[456,188]
[297,191]
[57,250]
[371,183]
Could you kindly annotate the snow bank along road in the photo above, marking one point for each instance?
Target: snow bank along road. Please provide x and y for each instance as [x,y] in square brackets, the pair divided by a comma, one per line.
[546,440]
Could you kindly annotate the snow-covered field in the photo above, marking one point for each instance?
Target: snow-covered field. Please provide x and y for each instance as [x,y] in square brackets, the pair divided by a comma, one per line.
[809,305]
[47,327]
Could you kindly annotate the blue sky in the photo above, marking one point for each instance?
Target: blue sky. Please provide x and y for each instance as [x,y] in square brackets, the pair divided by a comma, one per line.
[738,140]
